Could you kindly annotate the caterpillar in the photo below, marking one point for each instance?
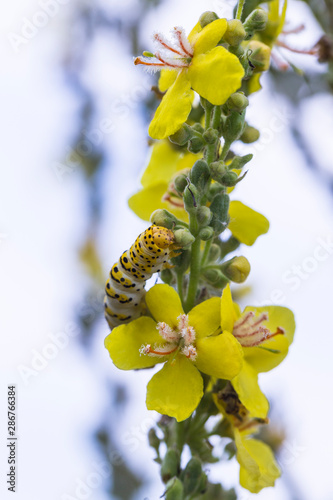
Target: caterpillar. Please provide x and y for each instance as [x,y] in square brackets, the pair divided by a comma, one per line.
[125,288]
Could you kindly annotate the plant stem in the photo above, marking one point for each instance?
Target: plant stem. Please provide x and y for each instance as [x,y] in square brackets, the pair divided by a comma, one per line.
[240,9]
[208,117]
[206,251]
[194,275]
[180,287]
[225,150]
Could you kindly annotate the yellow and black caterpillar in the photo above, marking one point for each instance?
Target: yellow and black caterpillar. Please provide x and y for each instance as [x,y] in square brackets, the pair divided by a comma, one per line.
[125,288]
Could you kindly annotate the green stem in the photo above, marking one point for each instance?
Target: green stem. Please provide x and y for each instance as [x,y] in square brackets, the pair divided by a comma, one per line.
[206,251]
[225,150]
[240,9]
[194,275]
[180,287]
[208,117]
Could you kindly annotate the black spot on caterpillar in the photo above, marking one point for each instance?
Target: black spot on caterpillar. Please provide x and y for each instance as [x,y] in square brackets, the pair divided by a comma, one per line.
[125,288]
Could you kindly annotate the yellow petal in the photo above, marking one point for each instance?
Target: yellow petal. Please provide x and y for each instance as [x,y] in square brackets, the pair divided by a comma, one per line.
[228,312]
[147,200]
[206,317]
[167,78]
[246,224]
[260,357]
[220,356]
[216,75]
[173,110]
[258,466]
[125,341]
[164,304]
[254,83]
[162,164]
[194,33]
[282,17]
[210,36]
[248,390]
[176,390]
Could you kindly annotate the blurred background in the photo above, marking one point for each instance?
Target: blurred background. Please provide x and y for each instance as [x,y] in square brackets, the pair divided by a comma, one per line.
[74,117]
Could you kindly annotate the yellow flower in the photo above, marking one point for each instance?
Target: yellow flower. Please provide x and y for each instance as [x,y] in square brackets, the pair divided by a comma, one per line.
[265,334]
[158,192]
[258,468]
[184,343]
[194,63]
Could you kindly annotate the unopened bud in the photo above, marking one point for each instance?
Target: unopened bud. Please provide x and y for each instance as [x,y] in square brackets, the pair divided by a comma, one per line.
[195,145]
[215,189]
[206,233]
[256,21]
[217,170]
[183,237]
[236,269]
[200,176]
[170,465]
[213,275]
[211,135]
[162,217]
[180,183]
[182,136]
[174,490]
[204,216]
[250,134]
[260,56]
[234,126]
[219,208]
[182,261]
[238,162]
[190,197]
[197,127]
[192,476]
[238,101]
[235,33]
[214,253]
[167,276]
[153,440]
[229,179]
[207,18]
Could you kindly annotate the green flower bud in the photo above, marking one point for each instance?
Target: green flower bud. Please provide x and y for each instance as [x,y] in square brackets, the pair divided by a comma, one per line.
[217,170]
[162,217]
[239,161]
[219,208]
[180,183]
[204,216]
[228,246]
[170,465]
[215,189]
[237,101]
[174,490]
[183,237]
[260,56]
[182,136]
[250,134]
[235,33]
[197,127]
[153,440]
[192,476]
[196,144]
[182,261]
[234,126]
[206,233]
[236,269]
[213,275]
[214,253]
[211,135]
[200,176]
[167,276]
[229,179]
[256,21]
[190,197]
[207,18]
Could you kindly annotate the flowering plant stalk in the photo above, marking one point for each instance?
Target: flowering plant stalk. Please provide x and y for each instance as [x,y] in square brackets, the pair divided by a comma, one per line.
[210,351]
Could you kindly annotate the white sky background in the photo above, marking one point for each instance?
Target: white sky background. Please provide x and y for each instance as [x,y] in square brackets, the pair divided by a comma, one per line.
[41,226]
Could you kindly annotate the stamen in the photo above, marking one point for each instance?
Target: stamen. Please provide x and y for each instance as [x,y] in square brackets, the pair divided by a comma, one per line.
[294,31]
[173,200]
[282,65]
[158,351]
[188,335]
[190,352]
[159,38]
[172,63]
[182,321]
[310,52]
[240,323]
[183,41]
[167,332]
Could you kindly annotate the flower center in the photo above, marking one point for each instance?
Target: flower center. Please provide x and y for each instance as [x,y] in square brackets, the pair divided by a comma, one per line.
[250,332]
[170,54]
[180,339]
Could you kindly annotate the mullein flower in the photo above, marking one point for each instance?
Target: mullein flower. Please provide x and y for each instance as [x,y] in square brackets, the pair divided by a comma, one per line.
[258,467]
[158,192]
[193,62]
[187,344]
[265,334]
